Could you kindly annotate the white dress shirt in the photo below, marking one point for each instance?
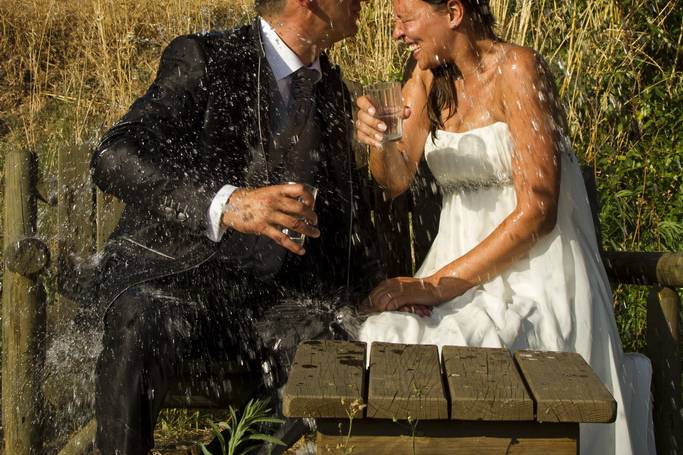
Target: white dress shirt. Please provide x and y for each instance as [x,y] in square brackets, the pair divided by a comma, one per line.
[283,62]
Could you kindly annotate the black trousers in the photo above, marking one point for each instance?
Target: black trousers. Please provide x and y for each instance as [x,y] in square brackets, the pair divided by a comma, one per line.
[154,329]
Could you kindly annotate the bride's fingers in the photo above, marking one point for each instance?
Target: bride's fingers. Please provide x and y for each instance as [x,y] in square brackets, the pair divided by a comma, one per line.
[364,104]
[423,311]
[371,125]
[368,136]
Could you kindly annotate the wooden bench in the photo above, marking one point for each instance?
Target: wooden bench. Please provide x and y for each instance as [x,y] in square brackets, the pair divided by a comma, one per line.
[476,400]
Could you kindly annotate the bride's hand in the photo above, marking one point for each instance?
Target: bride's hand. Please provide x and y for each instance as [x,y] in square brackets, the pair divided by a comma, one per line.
[369,129]
[405,294]
[420,310]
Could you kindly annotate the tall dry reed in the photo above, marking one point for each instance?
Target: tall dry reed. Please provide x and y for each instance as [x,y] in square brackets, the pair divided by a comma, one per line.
[93,57]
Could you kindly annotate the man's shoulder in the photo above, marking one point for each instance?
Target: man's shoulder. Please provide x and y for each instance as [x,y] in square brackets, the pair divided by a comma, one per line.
[221,45]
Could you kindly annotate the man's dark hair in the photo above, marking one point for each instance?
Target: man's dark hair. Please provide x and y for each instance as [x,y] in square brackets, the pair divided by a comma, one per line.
[267,7]
[442,94]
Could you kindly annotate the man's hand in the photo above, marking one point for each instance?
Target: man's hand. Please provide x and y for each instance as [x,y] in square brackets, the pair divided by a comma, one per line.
[266,210]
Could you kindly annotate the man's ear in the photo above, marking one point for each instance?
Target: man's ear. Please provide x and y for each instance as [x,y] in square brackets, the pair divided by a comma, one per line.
[456,13]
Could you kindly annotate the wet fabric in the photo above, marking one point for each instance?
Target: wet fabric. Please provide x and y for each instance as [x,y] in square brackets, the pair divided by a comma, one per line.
[556,298]
[164,293]
[159,332]
[202,124]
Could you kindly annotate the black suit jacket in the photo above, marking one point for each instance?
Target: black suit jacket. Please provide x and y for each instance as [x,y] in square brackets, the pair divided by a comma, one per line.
[201,125]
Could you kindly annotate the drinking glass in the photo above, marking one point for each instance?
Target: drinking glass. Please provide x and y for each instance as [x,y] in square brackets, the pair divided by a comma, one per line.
[294,236]
[388,102]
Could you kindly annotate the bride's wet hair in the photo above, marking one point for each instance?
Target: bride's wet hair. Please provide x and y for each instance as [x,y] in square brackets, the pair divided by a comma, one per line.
[442,94]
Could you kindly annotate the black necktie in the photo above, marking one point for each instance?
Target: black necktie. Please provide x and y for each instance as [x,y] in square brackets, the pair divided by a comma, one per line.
[301,99]
[293,152]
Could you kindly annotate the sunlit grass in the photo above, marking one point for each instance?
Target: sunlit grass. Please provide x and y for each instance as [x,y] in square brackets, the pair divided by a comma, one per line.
[184,429]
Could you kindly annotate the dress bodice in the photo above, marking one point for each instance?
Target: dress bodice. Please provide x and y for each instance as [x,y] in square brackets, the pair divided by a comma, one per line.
[474,159]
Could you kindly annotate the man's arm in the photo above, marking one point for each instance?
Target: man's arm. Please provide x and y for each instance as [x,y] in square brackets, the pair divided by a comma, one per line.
[141,159]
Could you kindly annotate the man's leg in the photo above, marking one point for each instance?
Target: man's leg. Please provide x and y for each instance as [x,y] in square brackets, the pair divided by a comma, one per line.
[149,331]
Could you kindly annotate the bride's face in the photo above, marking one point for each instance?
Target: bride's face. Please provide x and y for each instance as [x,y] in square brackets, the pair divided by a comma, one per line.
[425,29]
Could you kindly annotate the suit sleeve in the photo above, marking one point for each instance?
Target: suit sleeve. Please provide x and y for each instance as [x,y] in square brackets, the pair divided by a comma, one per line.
[146,158]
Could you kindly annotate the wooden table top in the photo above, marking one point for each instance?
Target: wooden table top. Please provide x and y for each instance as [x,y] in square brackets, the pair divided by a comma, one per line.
[328,379]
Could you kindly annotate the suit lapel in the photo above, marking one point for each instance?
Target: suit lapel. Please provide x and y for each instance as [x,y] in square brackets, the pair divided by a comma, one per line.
[259,170]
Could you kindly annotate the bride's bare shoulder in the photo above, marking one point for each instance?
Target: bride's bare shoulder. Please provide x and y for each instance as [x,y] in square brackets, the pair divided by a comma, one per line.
[521,64]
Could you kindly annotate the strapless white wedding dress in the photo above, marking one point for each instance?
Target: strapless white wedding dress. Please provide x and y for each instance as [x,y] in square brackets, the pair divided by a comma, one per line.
[556,298]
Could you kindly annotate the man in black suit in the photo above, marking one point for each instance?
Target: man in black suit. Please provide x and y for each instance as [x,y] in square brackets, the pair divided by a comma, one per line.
[199,259]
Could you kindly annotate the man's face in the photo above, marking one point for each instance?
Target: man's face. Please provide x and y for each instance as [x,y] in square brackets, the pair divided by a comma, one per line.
[338,18]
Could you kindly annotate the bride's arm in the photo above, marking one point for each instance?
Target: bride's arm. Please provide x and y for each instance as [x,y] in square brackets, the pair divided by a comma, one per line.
[393,164]
[536,123]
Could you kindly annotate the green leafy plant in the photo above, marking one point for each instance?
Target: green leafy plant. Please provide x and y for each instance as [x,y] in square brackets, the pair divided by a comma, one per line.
[244,428]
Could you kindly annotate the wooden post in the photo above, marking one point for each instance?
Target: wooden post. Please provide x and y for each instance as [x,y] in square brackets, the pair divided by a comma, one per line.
[82,443]
[23,314]
[108,212]
[663,325]
[76,224]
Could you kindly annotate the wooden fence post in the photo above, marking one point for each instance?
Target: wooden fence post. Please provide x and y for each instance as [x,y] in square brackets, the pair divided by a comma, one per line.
[23,310]
[663,325]
[76,223]
[108,212]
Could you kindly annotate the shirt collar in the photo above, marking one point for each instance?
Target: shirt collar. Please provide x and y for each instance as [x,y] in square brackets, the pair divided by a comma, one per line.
[282,60]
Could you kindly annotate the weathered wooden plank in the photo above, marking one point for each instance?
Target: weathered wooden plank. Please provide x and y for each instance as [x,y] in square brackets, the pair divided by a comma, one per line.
[663,344]
[405,383]
[83,441]
[644,268]
[23,316]
[327,379]
[385,437]
[75,225]
[484,384]
[565,388]
[28,256]
[108,212]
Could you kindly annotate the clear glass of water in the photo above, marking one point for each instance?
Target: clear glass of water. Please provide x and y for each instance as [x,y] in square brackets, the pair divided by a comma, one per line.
[298,237]
[388,102]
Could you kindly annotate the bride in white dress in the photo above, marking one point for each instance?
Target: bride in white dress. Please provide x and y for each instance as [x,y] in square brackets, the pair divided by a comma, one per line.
[515,263]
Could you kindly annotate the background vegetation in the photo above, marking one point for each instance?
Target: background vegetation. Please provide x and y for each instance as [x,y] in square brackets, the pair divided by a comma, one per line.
[69,68]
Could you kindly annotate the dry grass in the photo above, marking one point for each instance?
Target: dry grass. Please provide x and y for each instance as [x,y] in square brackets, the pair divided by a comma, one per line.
[90,58]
